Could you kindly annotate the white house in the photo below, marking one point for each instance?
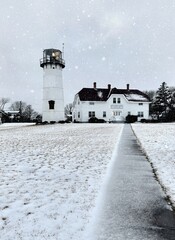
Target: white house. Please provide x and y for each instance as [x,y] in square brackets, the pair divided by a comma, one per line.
[110,104]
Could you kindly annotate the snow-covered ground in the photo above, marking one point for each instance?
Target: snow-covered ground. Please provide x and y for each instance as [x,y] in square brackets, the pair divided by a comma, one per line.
[50,178]
[158,141]
[51,175]
[14,125]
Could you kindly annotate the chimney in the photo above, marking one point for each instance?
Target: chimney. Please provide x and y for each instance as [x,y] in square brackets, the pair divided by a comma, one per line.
[109,86]
[95,85]
[127,87]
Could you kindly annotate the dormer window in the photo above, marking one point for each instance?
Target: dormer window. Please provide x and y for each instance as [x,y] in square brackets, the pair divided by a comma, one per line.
[51,104]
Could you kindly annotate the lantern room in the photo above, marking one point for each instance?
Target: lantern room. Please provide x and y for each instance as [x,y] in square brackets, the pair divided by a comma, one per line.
[52,56]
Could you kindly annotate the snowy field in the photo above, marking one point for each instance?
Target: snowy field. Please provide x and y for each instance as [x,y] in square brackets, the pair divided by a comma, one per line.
[158,141]
[51,177]
[14,125]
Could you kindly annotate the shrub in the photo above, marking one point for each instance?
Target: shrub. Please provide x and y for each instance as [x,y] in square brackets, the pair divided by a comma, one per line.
[52,122]
[96,120]
[131,118]
[45,122]
[93,120]
[101,121]
[62,122]
[143,120]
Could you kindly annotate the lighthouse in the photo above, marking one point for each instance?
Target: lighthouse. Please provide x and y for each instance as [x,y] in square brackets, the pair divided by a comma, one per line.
[53,96]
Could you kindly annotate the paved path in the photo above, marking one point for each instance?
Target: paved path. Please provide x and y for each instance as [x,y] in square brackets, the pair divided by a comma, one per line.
[133,207]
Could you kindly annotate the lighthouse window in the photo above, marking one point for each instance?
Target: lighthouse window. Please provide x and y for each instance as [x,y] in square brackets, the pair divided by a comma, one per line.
[51,104]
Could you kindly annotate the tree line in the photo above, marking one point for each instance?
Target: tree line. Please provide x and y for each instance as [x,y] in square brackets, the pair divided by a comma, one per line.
[24,111]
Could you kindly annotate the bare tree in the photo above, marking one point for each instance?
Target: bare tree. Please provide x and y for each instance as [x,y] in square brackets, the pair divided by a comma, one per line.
[26,112]
[150,93]
[3,102]
[68,112]
[18,106]
[68,109]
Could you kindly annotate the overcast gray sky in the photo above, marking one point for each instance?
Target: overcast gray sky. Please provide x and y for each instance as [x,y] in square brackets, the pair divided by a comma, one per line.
[106,41]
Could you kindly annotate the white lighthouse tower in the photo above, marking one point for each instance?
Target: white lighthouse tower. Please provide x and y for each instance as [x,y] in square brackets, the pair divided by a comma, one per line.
[53,98]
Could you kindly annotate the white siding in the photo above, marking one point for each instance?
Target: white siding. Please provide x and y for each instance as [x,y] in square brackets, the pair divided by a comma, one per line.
[53,90]
[114,111]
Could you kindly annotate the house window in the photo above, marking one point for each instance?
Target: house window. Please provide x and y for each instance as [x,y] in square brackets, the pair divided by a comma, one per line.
[78,114]
[114,100]
[140,114]
[104,114]
[116,113]
[51,104]
[118,100]
[140,103]
[91,114]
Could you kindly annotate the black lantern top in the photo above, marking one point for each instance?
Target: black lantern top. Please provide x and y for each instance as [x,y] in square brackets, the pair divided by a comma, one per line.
[52,56]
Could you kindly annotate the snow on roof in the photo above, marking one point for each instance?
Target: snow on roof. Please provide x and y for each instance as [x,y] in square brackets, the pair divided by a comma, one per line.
[12,112]
[135,97]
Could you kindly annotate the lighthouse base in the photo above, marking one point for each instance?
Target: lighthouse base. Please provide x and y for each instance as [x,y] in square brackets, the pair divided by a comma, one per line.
[53,116]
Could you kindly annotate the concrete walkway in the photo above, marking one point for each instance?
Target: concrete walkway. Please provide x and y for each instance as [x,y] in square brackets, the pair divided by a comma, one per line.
[133,207]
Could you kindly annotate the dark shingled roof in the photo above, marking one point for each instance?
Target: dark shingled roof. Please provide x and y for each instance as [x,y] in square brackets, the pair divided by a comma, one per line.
[102,94]
[94,94]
